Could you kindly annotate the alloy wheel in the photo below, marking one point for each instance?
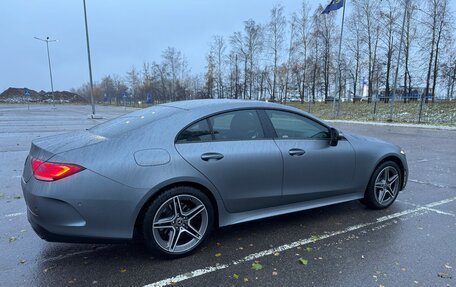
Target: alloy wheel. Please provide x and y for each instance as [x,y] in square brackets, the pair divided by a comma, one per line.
[180,223]
[386,185]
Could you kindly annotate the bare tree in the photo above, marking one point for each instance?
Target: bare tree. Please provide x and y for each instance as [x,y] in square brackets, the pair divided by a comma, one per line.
[209,76]
[254,39]
[238,42]
[248,44]
[315,42]
[160,73]
[185,79]
[276,30]
[354,45]
[410,32]
[442,29]
[371,28]
[172,64]
[389,16]
[326,33]
[234,74]
[107,87]
[218,48]
[147,78]
[134,82]
[302,23]
[120,88]
[448,71]
[436,21]
[291,49]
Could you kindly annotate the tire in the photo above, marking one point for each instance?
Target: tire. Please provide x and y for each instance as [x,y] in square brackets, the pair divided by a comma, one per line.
[384,186]
[172,232]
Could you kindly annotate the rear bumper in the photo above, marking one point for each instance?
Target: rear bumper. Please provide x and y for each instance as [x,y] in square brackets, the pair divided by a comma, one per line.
[84,208]
[47,235]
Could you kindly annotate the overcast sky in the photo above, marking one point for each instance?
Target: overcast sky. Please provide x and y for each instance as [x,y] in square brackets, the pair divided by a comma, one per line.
[122,34]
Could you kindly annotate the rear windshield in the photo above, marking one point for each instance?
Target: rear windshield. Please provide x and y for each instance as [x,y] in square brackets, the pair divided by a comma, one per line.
[132,121]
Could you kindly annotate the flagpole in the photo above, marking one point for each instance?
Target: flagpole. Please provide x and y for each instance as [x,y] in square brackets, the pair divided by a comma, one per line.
[393,95]
[338,75]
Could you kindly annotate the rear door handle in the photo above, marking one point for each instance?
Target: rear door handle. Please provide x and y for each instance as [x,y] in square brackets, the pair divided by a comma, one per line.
[211,156]
[296,152]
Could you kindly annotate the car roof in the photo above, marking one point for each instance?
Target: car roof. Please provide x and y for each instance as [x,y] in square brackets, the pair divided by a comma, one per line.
[208,106]
[219,104]
[204,107]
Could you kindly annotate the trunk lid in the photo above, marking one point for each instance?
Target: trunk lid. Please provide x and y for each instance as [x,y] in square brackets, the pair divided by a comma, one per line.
[47,147]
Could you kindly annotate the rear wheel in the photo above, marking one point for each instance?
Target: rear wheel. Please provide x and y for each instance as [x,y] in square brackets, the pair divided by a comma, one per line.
[178,221]
[383,186]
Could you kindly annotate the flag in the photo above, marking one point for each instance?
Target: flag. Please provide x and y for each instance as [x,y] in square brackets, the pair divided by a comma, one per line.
[334,5]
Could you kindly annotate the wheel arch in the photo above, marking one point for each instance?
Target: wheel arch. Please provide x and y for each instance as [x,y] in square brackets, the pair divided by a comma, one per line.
[154,193]
[394,158]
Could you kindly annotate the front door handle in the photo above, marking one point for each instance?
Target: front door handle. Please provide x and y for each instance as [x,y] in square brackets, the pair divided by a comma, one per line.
[296,152]
[211,156]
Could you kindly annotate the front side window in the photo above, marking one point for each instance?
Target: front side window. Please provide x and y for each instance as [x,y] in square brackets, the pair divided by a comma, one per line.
[292,126]
[237,125]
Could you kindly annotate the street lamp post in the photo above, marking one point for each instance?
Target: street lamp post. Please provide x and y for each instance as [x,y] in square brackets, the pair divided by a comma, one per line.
[88,57]
[47,40]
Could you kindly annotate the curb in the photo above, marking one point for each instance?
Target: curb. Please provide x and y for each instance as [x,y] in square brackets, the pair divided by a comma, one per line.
[448,128]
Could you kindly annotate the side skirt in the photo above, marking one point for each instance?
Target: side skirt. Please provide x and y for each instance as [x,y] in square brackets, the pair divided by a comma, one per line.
[226,218]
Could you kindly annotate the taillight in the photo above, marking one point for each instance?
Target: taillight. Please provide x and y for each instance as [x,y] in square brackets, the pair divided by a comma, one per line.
[50,171]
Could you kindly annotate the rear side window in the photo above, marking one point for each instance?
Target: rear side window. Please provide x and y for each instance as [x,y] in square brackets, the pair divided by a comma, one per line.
[292,126]
[237,125]
[199,132]
[231,126]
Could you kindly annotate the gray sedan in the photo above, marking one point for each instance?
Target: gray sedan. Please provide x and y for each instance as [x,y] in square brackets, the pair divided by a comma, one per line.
[171,173]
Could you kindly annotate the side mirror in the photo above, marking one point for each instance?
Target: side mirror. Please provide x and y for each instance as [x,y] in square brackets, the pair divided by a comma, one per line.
[333,137]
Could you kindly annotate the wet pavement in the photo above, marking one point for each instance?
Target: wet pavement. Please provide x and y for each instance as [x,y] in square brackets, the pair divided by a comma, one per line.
[412,243]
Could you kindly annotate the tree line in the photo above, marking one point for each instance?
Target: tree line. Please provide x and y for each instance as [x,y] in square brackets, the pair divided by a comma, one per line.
[295,57]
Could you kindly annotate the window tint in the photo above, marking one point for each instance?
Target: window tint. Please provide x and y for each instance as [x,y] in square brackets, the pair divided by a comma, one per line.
[238,125]
[292,126]
[198,132]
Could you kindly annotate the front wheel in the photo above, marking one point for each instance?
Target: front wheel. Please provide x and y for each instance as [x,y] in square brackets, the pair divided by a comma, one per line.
[383,186]
[178,221]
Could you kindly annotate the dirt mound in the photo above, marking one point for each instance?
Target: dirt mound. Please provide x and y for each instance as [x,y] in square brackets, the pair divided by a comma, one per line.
[17,95]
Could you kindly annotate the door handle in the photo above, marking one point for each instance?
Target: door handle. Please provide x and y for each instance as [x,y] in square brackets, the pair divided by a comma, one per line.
[211,156]
[296,152]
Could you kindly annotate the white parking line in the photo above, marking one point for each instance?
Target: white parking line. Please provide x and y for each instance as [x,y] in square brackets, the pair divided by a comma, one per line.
[437,203]
[439,211]
[427,208]
[64,256]
[429,183]
[14,214]
[210,269]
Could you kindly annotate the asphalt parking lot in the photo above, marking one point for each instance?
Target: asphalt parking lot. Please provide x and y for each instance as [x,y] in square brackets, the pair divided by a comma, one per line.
[412,243]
